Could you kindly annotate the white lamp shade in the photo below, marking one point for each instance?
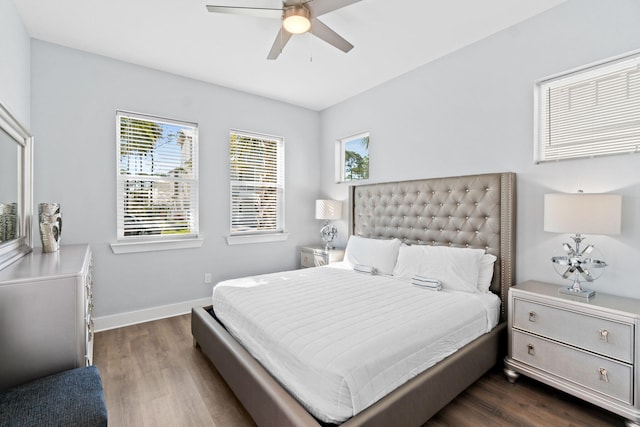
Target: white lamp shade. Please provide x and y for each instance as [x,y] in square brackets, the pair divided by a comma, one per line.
[582,213]
[328,209]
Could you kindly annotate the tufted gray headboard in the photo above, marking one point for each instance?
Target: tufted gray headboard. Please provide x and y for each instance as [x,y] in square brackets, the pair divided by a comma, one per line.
[475,211]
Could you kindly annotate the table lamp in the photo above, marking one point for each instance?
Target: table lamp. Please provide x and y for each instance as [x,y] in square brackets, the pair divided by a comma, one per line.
[328,210]
[581,213]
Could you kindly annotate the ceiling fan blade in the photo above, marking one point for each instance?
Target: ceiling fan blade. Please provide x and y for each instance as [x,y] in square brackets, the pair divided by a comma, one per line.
[296,2]
[325,33]
[320,7]
[259,12]
[278,44]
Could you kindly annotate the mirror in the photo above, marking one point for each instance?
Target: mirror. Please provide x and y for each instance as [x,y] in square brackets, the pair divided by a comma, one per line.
[16,199]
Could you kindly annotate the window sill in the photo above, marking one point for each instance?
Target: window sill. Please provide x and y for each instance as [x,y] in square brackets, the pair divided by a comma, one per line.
[149,246]
[257,238]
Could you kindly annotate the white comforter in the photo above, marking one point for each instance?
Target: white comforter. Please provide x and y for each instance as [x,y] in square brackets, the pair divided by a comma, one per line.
[339,340]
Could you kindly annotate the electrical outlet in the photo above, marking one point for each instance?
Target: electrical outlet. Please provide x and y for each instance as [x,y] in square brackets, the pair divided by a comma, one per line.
[207,277]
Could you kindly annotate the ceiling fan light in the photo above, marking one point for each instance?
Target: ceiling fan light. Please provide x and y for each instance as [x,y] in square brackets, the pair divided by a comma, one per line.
[296,20]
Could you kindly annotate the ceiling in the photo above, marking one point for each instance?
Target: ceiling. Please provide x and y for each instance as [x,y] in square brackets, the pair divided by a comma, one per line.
[181,37]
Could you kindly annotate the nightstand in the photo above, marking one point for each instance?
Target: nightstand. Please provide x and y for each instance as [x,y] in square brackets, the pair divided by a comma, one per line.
[587,348]
[315,256]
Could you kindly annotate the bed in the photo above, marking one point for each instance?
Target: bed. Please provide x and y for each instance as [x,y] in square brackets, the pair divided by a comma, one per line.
[467,212]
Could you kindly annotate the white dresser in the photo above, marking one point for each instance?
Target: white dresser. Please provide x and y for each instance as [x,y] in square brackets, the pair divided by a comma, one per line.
[316,256]
[45,314]
[587,348]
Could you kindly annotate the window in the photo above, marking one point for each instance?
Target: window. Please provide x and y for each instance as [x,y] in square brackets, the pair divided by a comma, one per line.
[352,158]
[589,112]
[257,184]
[157,178]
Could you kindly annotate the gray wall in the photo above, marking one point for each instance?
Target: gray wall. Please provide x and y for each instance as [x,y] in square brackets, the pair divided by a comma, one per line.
[14,63]
[74,99]
[472,112]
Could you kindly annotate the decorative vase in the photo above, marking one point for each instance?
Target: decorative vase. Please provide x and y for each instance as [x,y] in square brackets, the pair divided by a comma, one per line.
[50,222]
[8,221]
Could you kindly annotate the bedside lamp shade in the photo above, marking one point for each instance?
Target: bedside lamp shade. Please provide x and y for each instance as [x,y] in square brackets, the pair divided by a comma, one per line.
[328,209]
[582,213]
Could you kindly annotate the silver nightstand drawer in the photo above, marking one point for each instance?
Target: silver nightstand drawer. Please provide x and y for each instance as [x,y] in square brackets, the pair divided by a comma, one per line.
[309,259]
[592,333]
[316,256]
[606,376]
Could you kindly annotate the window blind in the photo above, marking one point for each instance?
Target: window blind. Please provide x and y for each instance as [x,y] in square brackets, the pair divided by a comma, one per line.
[257,183]
[157,178]
[590,112]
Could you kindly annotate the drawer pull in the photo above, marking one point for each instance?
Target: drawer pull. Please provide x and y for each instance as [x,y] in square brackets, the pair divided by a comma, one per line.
[604,335]
[532,316]
[603,375]
[531,350]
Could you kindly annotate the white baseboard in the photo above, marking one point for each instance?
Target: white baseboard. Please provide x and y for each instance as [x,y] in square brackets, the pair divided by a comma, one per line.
[114,321]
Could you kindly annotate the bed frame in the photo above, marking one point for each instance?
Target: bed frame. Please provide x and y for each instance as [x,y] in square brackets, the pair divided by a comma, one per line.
[476,211]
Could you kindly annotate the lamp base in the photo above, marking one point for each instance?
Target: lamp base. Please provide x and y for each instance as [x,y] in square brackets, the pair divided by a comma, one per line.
[580,264]
[581,293]
[328,233]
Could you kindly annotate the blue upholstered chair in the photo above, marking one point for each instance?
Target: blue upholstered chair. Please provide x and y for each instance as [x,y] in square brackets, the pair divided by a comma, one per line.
[69,398]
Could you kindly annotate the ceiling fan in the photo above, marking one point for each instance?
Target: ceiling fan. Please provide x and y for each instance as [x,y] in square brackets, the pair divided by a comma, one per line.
[298,16]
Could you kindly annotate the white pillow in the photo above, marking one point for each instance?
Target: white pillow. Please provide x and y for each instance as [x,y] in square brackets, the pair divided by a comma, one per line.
[377,253]
[486,272]
[409,260]
[456,268]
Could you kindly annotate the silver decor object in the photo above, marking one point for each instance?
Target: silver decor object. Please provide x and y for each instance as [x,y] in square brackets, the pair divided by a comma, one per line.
[50,222]
[8,221]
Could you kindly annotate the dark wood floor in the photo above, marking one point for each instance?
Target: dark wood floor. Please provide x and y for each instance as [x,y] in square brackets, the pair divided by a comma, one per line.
[153,376]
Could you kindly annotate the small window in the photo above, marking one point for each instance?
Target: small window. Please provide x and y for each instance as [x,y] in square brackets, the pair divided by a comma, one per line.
[352,158]
[157,178]
[592,111]
[257,183]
